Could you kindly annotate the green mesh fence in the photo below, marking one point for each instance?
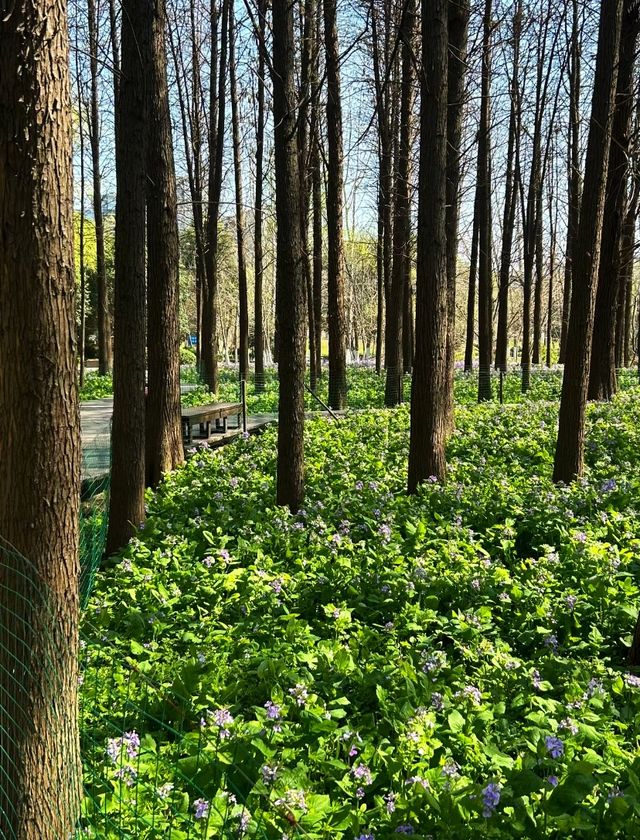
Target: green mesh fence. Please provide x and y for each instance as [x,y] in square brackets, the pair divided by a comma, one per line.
[39,786]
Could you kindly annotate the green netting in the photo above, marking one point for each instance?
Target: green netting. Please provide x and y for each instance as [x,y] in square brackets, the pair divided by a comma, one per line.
[94,501]
[39,785]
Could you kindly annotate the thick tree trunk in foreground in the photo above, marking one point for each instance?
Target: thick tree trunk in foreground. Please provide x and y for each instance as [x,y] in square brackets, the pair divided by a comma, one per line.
[569,456]
[164,450]
[102,303]
[290,288]
[428,394]
[602,374]
[126,504]
[335,189]
[40,471]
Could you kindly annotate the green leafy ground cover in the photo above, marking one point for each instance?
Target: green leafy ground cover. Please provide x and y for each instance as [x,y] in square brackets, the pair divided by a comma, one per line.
[449,665]
[365,388]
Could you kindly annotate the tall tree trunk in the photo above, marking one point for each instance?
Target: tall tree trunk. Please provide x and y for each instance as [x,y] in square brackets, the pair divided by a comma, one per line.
[83,308]
[39,471]
[428,394]
[471,292]
[335,190]
[602,372]
[539,279]
[569,456]
[164,450]
[307,26]
[485,302]
[102,302]
[627,262]
[458,24]
[257,239]
[402,219]
[381,60]
[316,184]
[553,228]
[217,115]
[574,175]
[243,296]
[126,501]
[510,199]
[290,292]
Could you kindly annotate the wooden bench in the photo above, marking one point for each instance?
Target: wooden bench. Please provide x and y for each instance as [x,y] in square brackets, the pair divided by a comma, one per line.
[203,415]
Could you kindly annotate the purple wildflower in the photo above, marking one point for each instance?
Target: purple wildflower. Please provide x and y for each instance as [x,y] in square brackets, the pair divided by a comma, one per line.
[554,746]
[405,828]
[390,802]
[632,681]
[553,781]
[201,809]
[490,799]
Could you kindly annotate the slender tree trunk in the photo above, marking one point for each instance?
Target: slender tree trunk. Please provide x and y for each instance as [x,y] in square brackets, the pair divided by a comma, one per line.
[126,501]
[290,293]
[569,456]
[459,12]
[553,227]
[627,261]
[539,279]
[83,313]
[102,302]
[429,391]
[485,291]
[304,158]
[257,241]
[402,219]
[216,146]
[602,372]
[379,282]
[164,450]
[574,176]
[243,296]
[381,61]
[316,183]
[39,471]
[335,190]
[471,293]
[510,200]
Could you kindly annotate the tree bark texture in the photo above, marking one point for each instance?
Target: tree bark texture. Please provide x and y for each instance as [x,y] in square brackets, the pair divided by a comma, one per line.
[102,302]
[485,285]
[602,372]
[336,320]
[575,186]
[258,259]
[126,509]
[39,471]
[401,221]
[459,12]
[243,294]
[428,394]
[217,115]
[510,201]
[290,283]
[164,450]
[569,456]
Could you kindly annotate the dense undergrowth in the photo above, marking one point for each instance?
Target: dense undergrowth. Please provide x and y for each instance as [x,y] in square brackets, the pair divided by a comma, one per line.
[365,388]
[447,665]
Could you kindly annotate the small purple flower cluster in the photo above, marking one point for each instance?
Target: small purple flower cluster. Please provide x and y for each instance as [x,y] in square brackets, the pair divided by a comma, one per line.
[490,799]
